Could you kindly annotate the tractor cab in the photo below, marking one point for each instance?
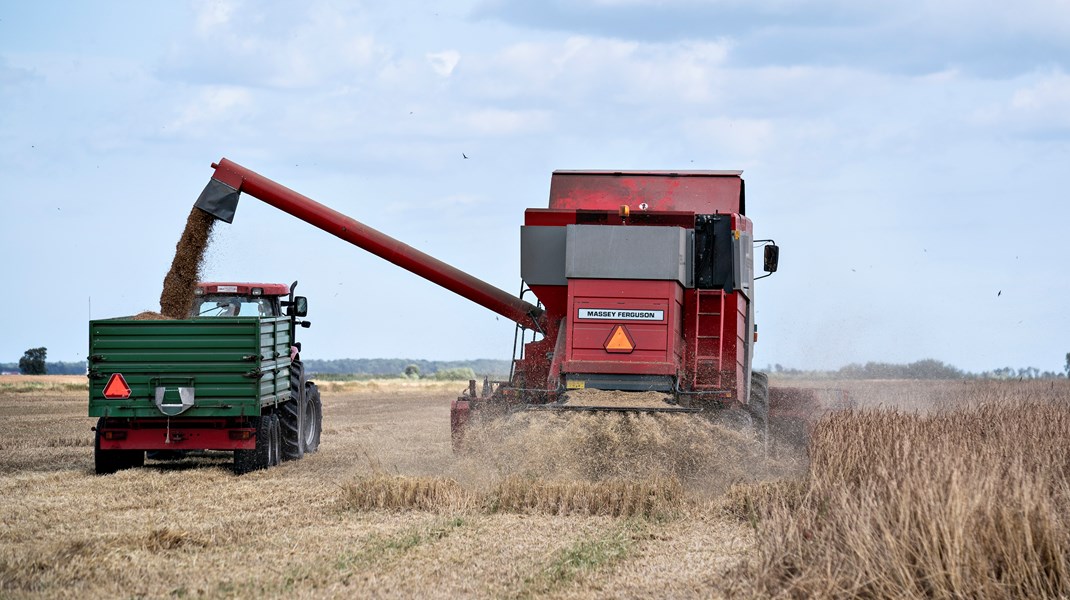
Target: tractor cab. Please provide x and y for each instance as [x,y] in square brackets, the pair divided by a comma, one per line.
[214,299]
[219,299]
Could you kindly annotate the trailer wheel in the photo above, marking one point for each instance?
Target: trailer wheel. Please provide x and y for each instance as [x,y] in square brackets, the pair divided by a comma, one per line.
[265,442]
[106,462]
[276,441]
[758,405]
[313,417]
[259,457]
[294,444]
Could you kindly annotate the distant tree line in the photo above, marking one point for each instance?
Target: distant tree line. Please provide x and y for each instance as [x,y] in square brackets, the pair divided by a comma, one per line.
[923,369]
[411,368]
[499,369]
[51,368]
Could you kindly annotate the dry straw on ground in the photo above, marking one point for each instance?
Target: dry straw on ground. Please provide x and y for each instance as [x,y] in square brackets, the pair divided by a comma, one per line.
[880,515]
[965,502]
[654,498]
[705,457]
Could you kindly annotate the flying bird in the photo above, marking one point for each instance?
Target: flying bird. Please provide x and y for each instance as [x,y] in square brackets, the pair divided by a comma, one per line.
[999,293]
[464,155]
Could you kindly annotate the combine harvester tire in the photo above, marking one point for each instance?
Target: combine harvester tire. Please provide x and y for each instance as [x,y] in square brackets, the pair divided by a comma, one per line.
[758,406]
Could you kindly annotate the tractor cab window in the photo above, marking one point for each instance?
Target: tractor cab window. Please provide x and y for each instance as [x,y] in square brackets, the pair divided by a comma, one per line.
[234,306]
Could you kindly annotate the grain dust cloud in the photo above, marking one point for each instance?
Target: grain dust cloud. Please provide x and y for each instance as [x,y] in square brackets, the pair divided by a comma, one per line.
[704,456]
[180,284]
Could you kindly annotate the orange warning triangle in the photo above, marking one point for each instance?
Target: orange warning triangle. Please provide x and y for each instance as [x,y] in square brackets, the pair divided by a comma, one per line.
[116,389]
[619,340]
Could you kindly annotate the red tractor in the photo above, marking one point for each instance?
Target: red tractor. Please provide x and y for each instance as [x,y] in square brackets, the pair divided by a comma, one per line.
[643,282]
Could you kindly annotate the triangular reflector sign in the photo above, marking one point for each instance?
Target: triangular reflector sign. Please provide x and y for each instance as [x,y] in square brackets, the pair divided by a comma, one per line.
[116,389]
[619,340]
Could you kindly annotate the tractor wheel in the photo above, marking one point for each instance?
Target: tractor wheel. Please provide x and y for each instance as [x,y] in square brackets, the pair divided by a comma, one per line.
[758,405]
[292,415]
[111,461]
[313,417]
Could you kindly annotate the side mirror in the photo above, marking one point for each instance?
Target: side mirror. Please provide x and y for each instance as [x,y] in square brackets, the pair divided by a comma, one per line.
[299,308]
[772,257]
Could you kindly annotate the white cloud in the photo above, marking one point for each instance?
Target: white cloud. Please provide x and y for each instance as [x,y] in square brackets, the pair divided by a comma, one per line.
[580,70]
[443,62]
[739,137]
[276,44]
[1035,105]
[209,108]
[494,121]
[213,14]
[1048,96]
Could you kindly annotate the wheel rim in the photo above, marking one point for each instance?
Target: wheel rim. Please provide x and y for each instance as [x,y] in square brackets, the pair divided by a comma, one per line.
[310,421]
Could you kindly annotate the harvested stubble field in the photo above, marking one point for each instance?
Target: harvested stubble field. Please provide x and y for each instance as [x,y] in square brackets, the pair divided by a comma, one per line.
[962,501]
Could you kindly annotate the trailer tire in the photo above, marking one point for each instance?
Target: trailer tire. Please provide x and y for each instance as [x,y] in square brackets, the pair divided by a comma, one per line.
[106,462]
[259,457]
[758,405]
[293,415]
[275,451]
[313,418]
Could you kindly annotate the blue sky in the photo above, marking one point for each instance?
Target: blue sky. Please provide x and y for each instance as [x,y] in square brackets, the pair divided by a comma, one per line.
[911,158]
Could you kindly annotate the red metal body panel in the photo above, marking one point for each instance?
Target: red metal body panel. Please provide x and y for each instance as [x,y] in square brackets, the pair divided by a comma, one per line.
[658,344]
[379,244]
[549,217]
[554,299]
[195,434]
[459,412]
[700,192]
[245,289]
[715,337]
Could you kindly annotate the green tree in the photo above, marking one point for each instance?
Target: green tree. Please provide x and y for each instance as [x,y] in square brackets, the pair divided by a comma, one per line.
[455,374]
[412,372]
[33,362]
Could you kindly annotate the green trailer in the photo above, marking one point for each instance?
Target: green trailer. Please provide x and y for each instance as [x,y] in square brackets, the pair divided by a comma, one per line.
[231,382]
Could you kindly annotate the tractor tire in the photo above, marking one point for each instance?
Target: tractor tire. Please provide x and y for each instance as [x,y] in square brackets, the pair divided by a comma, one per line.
[313,418]
[292,415]
[246,461]
[275,450]
[758,405]
[106,462]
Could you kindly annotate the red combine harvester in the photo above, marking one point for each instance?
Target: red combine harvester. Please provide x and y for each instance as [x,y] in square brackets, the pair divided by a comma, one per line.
[644,282]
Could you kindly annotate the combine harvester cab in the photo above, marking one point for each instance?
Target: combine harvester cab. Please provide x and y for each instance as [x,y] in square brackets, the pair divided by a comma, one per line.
[227,378]
[644,283]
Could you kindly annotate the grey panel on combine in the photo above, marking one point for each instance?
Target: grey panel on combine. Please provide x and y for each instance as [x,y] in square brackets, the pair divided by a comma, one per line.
[542,255]
[624,252]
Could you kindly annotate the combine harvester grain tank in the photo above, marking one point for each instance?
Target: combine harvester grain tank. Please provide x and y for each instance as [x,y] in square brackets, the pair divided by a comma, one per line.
[644,283]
